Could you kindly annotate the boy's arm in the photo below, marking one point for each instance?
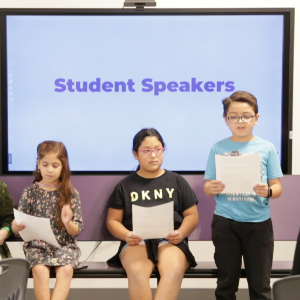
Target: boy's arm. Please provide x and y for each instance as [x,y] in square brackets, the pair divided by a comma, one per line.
[275,185]
[262,189]
[213,187]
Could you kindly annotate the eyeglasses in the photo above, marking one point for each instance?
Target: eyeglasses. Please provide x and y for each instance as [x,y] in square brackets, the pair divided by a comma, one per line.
[148,152]
[235,119]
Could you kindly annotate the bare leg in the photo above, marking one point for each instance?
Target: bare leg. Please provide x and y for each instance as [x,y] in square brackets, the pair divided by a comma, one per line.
[64,275]
[41,275]
[138,268]
[172,264]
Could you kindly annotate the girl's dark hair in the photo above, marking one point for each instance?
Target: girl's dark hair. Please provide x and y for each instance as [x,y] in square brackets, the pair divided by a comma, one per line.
[141,135]
[64,182]
[240,96]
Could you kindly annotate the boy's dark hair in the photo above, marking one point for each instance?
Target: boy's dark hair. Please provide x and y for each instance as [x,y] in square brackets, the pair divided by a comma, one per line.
[240,96]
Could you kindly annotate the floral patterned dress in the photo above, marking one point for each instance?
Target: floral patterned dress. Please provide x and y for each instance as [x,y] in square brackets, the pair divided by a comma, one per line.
[38,202]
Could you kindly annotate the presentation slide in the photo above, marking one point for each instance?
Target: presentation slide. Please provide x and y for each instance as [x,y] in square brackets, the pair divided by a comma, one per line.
[93,82]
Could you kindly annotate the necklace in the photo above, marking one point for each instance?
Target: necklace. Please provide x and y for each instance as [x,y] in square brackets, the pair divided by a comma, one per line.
[46,185]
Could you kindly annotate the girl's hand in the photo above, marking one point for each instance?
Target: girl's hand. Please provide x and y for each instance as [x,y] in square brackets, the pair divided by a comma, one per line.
[66,214]
[132,239]
[261,189]
[216,187]
[16,227]
[175,237]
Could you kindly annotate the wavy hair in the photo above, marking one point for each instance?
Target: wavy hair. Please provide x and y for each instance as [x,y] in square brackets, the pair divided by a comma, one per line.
[64,182]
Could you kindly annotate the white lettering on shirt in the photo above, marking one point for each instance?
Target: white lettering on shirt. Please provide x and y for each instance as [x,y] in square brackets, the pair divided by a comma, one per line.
[158,194]
[145,195]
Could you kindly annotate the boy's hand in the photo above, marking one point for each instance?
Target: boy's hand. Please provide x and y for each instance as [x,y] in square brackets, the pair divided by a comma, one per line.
[261,189]
[216,187]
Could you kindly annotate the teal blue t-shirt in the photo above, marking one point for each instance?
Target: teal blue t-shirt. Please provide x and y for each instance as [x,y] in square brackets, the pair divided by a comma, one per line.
[245,207]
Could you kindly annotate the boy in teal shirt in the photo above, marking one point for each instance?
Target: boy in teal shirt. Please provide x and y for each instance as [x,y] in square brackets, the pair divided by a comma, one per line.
[241,225]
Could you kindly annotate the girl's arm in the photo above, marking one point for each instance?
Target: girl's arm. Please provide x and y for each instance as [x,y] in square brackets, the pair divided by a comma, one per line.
[117,229]
[67,216]
[189,223]
[24,207]
[16,227]
[76,220]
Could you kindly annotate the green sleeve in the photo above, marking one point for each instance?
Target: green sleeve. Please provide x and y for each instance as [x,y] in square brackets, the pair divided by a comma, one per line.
[6,207]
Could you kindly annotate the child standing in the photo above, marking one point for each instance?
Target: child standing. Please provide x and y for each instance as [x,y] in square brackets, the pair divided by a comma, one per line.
[151,185]
[241,225]
[52,196]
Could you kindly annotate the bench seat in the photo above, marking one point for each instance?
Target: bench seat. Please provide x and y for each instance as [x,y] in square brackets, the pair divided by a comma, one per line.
[202,270]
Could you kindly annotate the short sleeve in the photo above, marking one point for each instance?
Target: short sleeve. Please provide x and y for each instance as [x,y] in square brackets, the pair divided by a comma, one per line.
[273,166]
[187,194]
[116,199]
[76,208]
[25,202]
[210,172]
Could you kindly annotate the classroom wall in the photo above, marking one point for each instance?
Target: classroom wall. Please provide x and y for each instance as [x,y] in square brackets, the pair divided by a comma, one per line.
[203,250]
[197,4]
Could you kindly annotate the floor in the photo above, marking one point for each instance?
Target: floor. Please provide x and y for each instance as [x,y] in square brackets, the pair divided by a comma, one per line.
[122,294]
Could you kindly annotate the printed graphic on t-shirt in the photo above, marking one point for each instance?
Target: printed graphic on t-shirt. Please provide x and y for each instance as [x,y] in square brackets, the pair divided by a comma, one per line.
[239,196]
[152,195]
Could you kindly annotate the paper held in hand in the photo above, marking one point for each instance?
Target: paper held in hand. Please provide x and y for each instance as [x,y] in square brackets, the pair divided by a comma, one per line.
[239,173]
[36,228]
[153,222]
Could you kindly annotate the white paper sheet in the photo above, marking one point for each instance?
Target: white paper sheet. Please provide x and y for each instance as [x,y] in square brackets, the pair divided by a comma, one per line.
[239,173]
[153,222]
[36,228]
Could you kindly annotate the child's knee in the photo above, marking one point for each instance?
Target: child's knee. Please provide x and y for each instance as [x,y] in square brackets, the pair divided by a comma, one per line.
[40,272]
[65,272]
[137,272]
[174,274]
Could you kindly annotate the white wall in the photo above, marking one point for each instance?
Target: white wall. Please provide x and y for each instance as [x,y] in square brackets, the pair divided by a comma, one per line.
[202,250]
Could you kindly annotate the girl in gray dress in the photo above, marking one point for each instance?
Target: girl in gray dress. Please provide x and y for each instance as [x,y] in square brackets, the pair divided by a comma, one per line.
[52,196]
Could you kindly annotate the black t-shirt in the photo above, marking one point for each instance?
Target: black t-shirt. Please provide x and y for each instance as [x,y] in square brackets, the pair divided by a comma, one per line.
[148,192]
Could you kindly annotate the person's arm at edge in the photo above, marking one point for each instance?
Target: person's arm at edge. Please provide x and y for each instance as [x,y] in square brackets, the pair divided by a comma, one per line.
[6,213]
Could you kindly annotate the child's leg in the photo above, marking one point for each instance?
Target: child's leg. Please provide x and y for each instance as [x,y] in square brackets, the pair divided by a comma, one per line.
[172,264]
[138,268]
[64,275]
[228,256]
[41,275]
[258,244]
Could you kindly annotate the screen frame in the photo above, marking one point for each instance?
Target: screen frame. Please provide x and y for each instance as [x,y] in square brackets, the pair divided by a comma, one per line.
[287,80]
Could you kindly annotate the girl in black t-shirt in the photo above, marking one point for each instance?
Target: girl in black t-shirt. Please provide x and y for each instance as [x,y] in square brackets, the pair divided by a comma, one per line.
[151,185]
